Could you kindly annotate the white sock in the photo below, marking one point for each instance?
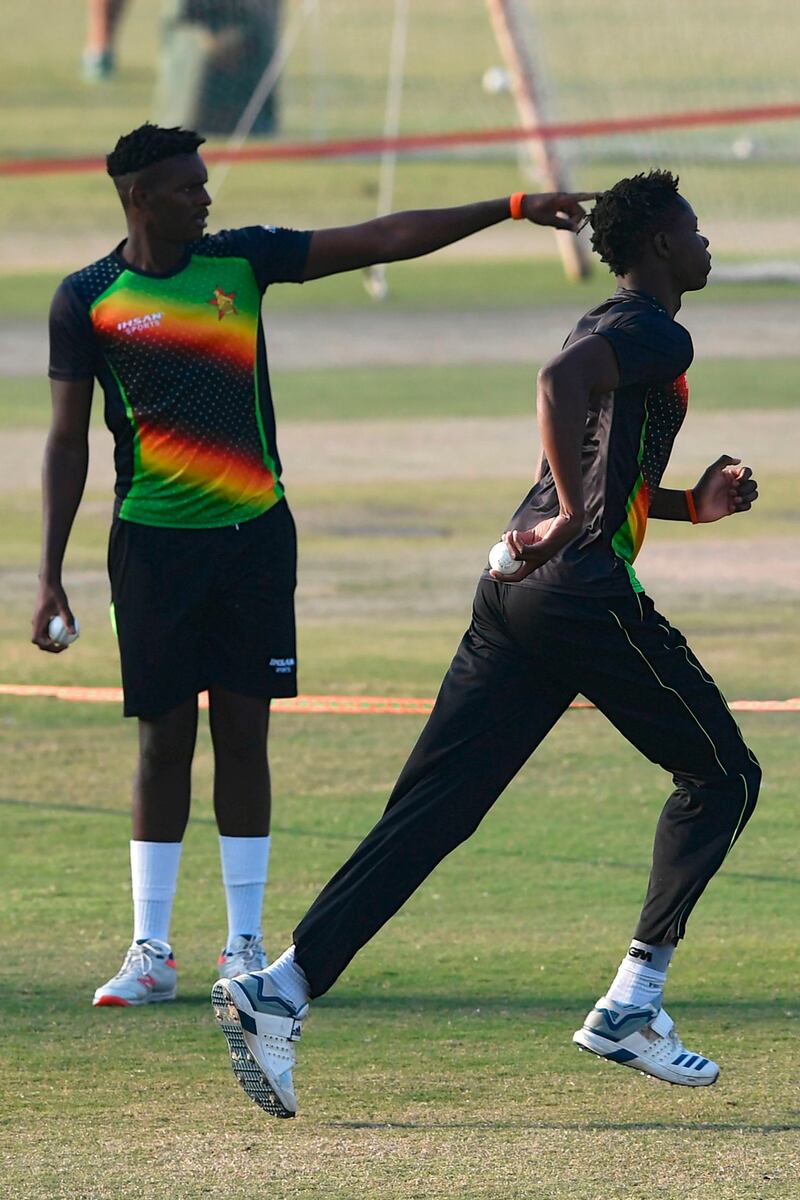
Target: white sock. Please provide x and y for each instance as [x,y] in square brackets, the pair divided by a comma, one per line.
[642,974]
[289,979]
[245,861]
[154,878]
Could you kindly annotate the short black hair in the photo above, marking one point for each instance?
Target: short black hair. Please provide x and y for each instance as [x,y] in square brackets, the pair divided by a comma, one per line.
[628,214]
[149,144]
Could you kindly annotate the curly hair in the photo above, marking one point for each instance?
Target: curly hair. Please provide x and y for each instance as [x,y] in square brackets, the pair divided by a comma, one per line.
[632,211]
[149,144]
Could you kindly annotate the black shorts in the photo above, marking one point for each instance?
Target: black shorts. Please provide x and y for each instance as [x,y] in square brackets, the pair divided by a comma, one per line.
[201,607]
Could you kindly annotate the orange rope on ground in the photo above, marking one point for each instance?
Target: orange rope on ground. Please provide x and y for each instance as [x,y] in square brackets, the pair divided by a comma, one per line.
[346,705]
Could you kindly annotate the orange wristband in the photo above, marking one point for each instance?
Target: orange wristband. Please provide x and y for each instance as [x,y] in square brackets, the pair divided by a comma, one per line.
[515,205]
[693,517]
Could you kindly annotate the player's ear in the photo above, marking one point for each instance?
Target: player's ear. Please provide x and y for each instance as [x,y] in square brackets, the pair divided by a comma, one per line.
[137,198]
[661,245]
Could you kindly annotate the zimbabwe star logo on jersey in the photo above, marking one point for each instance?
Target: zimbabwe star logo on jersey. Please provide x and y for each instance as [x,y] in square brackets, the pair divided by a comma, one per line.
[223,302]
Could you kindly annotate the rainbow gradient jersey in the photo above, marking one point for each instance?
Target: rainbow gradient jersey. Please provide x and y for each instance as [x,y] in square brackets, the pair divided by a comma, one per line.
[182,362]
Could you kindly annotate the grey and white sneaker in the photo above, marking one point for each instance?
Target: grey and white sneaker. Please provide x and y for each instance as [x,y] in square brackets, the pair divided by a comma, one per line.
[148,975]
[645,1038]
[261,1029]
[244,954]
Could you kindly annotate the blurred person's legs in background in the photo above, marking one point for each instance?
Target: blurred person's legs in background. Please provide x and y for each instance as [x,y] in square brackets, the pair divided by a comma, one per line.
[98,60]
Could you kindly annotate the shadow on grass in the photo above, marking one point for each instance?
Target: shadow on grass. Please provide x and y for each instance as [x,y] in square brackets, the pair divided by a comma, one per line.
[398,1007]
[577,1126]
[353,838]
[613,865]
[89,810]
[489,1005]
[465,1005]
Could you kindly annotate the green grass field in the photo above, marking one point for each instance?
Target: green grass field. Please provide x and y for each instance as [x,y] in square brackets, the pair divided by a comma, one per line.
[427,284]
[335,87]
[416,392]
[441,1065]
[678,64]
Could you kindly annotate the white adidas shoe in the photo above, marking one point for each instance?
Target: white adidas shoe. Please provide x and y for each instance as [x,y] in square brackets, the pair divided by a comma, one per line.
[261,1029]
[244,954]
[643,1037]
[149,974]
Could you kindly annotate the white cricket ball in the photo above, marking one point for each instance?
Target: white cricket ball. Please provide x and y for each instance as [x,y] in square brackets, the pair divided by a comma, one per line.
[495,80]
[501,559]
[743,148]
[59,633]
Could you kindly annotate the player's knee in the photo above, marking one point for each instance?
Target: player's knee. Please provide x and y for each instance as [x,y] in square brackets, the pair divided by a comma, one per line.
[240,743]
[752,779]
[160,751]
[744,783]
[239,730]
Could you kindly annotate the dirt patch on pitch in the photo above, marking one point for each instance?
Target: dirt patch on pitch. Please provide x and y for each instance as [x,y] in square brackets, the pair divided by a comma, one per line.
[468,448]
[476,451]
[380,337]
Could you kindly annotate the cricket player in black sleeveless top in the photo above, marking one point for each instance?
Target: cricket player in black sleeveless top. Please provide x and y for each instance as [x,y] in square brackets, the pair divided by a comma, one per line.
[573,618]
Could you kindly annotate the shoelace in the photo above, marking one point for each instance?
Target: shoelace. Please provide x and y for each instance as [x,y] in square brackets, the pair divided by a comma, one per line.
[247,953]
[673,1041]
[135,960]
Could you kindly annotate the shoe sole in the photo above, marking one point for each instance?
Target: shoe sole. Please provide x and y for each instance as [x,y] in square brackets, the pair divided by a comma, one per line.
[120,1002]
[584,1039]
[244,1066]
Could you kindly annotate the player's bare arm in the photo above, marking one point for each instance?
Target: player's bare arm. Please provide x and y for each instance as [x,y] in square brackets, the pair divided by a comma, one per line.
[66,461]
[411,234]
[564,388]
[724,488]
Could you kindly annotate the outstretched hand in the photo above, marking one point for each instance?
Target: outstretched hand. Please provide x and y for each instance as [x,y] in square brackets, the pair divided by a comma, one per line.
[534,547]
[562,210]
[724,488]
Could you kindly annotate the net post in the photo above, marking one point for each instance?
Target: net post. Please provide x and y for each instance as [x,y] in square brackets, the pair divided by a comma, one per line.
[528,100]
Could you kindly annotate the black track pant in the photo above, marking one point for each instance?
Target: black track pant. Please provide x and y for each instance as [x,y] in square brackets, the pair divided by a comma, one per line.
[524,658]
